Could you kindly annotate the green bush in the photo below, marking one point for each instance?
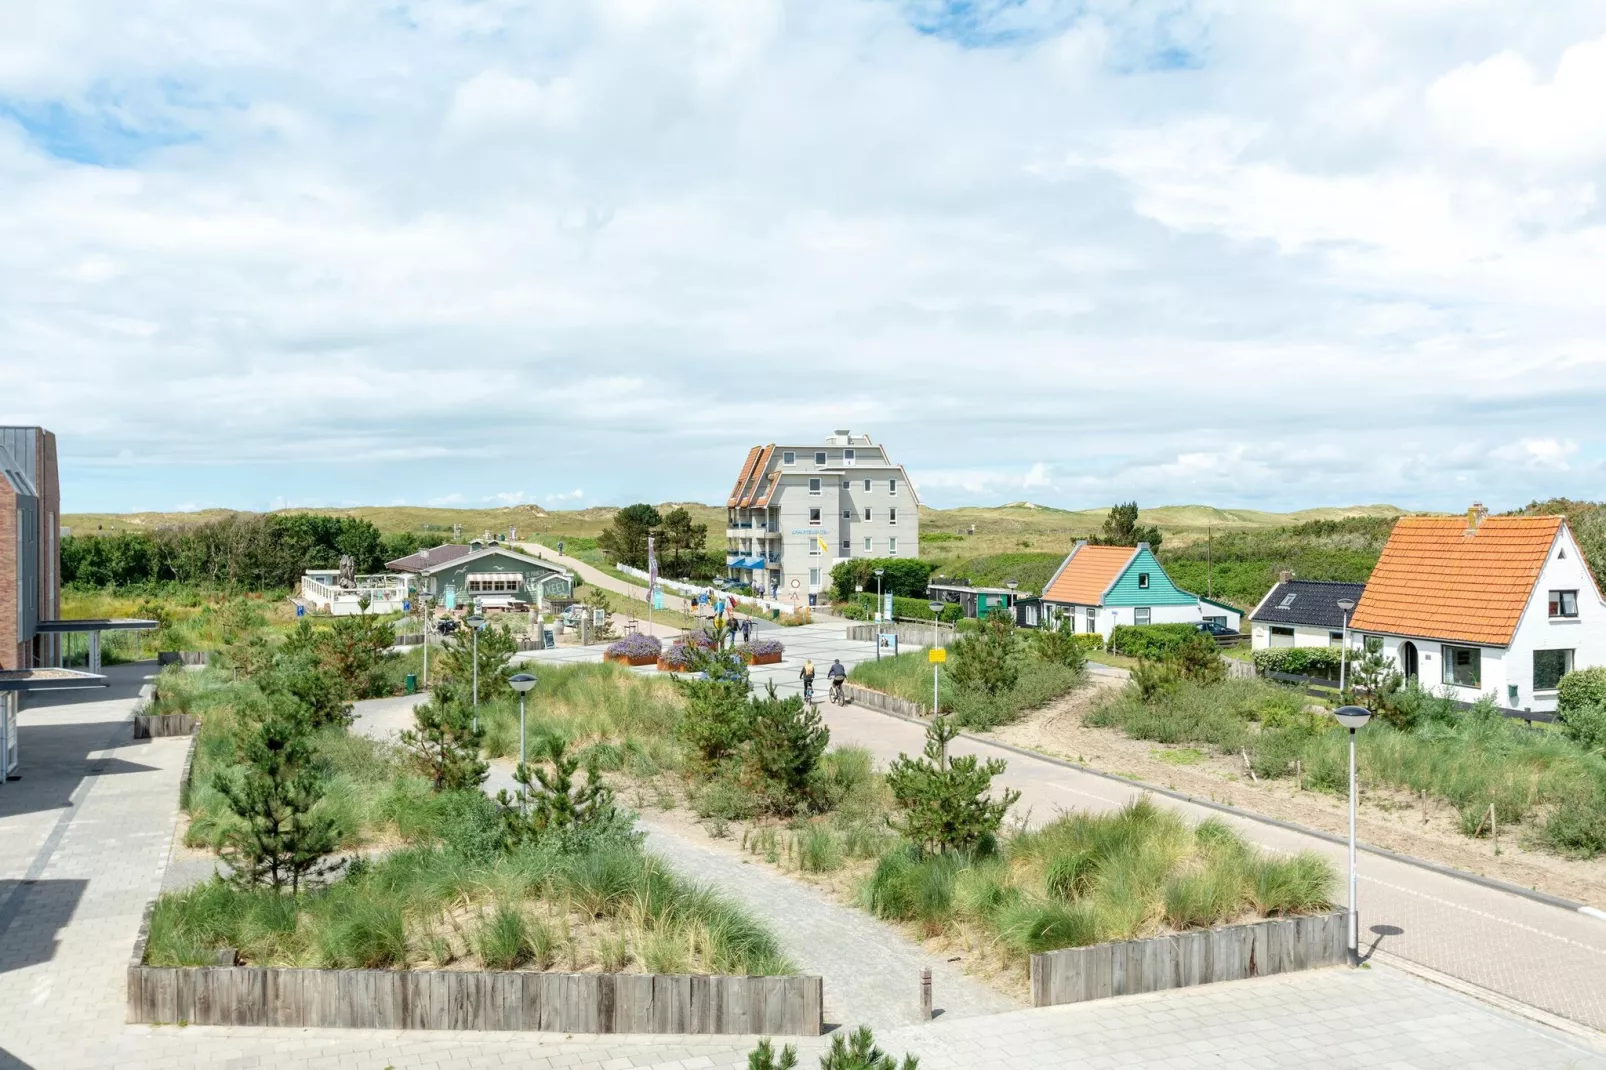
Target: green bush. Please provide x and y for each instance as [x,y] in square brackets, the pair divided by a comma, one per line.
[988,661]
[783,750]
[902,577]
[1320,661]
[947,801]
[1155,641]
[1581,706]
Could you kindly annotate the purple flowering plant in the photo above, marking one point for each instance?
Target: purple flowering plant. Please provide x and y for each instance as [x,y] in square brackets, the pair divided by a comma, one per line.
[635,646]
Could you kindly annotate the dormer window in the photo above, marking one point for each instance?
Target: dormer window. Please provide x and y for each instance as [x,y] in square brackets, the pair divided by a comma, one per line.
[1143,581]
[1288,600]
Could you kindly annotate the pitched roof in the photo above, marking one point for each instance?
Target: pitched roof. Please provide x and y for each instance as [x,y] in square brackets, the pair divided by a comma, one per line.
[1313,603]
[741,480]
[1087,573]
[1439,579]
[433,557]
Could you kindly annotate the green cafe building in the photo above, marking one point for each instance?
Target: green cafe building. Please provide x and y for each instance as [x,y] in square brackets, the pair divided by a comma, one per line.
[456,576]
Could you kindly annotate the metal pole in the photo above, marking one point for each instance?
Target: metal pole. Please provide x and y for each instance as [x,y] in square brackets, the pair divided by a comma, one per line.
[878,601]
[1343,655]
[523,775]
[936,669]
[1354,926]
[426,648]
[476,668]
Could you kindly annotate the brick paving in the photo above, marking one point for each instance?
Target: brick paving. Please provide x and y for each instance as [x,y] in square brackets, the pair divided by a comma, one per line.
[88,830]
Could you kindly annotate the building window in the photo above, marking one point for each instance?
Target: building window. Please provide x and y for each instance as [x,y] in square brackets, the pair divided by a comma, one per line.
[892,516]
[867,544]
[1143,581]
[495,582]
[814,485]
[847,456]
[847,514]
[892,486]
[1335,638]
[814,548]
[1564,603]
[867,484]
[1092,619]
[892,547]
[814,577]
[1140,615]
[1463,666]
[1282,636]
[814,515]
[846,484]
[1549,667]
[867,512]
[847,547]
[788,457]
[819,459]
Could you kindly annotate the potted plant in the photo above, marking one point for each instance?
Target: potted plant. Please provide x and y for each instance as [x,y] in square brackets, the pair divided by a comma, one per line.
[676,659]
[762,652]
[633,650]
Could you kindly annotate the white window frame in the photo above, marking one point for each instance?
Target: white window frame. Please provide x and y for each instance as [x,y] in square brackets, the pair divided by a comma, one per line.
[815,486]
[867,486]
[868,543]
[819,458]
[847,514]
[847,457]
[892,516]
[892,487]
[1143,581]
[867,513]
[1335,638]
[814,577]
[1092,620]
[815,516]
[1447,653]
[1557,604]
[892,546]
[847,547]
[1571,659]
[788,457]
[494,582]
[1142,616]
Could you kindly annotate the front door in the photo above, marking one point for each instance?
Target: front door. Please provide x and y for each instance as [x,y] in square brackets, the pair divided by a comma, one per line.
[1408,660]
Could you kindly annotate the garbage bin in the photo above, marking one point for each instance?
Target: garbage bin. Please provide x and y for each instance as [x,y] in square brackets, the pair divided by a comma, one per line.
[412,683]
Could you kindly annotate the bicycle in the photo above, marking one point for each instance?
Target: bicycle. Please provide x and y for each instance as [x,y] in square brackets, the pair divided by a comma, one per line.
[808,690]
[839,696]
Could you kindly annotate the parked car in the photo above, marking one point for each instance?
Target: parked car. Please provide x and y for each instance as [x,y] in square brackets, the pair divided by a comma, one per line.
[1214,627]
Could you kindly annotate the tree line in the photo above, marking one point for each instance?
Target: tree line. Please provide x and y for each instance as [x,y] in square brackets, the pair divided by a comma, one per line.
[243,551]
[681,546]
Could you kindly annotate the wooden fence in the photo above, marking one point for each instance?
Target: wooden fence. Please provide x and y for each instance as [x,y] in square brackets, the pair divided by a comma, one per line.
[880,700]
[1233,953]
[449,999]
[156,725]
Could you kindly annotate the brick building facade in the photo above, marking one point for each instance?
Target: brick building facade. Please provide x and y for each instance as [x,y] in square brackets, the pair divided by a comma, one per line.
[30,547]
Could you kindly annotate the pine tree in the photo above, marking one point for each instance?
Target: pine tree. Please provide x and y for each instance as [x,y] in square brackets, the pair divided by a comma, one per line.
[555,803]
[785,743]
[990,659]
[859,1052]
[946,802]
[765,1057]
[1060,646]
[283,841]
[446,743]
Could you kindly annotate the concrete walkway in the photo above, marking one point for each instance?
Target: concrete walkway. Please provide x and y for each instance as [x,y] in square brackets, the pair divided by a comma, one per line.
[83,843]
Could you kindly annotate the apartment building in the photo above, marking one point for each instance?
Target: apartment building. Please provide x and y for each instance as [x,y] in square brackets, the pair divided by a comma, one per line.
[796,510]
[30,548]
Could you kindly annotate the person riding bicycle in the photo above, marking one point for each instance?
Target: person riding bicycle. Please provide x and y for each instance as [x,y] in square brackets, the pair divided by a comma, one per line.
[836,674]
[808,680]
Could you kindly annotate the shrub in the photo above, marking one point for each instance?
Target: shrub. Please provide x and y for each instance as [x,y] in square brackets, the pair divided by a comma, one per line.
[1149,640]
[764,648]
[1320,661]
[503,939]
[445,745]
[715,721]
[785,741]
[903,577]
[914,609]
[990,660]
[1197,658]
[818,850]
[1061,646]
[678,657]
[1581,707]
[946,802]
[635,647]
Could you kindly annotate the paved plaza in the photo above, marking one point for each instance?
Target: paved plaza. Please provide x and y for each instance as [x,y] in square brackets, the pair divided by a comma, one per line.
[85,837]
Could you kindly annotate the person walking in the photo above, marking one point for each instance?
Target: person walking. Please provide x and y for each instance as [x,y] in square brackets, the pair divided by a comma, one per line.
[747,631]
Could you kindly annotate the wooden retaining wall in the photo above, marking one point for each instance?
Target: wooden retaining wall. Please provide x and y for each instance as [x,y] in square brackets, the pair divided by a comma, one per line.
[447,999]
[910,633]
[880,700]
[1259,949]
[156,725]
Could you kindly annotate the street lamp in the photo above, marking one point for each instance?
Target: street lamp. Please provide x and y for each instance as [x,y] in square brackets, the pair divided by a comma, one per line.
[936,666]
[475,623]
[1345,605]
[878,574]
[522,683]
[423,607]
[1011,584]
[1352,717]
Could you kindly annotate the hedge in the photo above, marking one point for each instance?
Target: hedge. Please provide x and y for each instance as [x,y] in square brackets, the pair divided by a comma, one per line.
[1300,660]
[903,577]
[1154,641]
[909,608]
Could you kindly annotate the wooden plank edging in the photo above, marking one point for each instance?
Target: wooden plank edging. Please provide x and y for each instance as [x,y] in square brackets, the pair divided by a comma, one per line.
[1181,960]
[462,1000]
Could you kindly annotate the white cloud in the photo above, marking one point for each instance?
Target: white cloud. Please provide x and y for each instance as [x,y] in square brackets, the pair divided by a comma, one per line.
[1259,255]
[567,496]
[455,498]
[509,497]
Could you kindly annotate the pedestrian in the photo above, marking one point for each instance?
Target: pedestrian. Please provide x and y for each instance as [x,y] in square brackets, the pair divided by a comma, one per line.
[747,631]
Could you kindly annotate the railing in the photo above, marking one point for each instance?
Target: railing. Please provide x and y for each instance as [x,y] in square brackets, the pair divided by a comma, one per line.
[373,588]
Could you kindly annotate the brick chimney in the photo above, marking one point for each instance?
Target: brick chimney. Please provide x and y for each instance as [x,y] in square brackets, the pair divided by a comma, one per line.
[1285,575]
[1476,515]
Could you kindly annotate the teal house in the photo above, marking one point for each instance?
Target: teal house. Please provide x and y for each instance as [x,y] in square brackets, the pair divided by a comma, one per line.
[1101,587]
[455,577]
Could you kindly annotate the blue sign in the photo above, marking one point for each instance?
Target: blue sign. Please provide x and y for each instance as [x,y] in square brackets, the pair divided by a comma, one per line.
[657,598]
[451,596]
[301,610]
[407,605]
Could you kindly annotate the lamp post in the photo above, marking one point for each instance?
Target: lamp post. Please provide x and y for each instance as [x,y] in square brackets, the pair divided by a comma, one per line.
[1352,717]
[1345,605]
[936,666]
[475,623]
[878,574]
[522,683]
[1011,584]
[423,606]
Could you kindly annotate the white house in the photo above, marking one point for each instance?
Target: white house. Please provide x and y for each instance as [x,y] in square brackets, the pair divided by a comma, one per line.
[1302,613]
[1496,606]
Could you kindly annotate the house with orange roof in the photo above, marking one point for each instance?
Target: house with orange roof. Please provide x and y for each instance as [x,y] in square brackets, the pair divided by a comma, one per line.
[1100,587]
[795,511]
[1502,607]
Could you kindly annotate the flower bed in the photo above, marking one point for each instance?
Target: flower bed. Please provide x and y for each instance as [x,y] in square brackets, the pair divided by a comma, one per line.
[762,652]
[676,659]
[634,650]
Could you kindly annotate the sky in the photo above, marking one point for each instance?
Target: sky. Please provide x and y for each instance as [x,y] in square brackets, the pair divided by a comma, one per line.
[1273,255]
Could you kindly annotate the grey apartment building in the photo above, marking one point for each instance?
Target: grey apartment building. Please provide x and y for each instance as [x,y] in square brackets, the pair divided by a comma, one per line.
[796,511]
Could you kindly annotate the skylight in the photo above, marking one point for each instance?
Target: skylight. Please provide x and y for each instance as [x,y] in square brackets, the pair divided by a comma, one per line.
[1288,600]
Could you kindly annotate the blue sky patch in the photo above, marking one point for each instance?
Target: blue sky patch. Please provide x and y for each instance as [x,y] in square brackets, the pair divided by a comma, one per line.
[100,133]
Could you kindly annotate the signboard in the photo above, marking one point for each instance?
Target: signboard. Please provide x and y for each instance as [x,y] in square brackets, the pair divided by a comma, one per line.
[886,608]
[936,654]
[451,596]
[407,605]
[657,598]
[888,642]
[301,610]
[810,531]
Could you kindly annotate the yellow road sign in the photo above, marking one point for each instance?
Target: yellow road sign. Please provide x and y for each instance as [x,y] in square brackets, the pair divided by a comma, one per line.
[936,654]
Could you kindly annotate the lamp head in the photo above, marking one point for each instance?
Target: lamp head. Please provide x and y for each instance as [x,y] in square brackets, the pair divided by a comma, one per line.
[880,571]
[1012,584]
[474,621]
[1353,717]
[936,607]
[1346,604]
[522,682]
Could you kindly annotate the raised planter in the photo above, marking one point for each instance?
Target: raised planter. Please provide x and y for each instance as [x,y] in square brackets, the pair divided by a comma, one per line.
[626,659]
[764,659]
[1231,953]
[451,999]
[880,700]
[156,725]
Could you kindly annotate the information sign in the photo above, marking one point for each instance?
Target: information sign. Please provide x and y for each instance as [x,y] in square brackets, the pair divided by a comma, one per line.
[936,654]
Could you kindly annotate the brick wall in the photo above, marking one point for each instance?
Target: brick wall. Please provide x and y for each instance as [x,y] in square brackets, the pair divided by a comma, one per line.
[10,655]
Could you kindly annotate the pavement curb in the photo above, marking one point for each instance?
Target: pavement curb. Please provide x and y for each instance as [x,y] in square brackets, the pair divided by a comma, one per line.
[1492,998]
[1383,852]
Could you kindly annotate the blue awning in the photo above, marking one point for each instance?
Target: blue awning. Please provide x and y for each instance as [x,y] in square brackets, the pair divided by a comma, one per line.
[751,562]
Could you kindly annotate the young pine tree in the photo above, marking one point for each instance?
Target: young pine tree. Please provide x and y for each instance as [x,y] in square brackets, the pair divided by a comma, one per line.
[555,804]
[1060,646]
[446,744]
[947,802]
[990,659]
[786,741]
[283,841]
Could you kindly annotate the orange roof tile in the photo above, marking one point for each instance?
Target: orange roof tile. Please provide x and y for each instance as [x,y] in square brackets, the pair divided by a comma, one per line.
[756,477]
[1087,573]
[741,480]
[1439,580]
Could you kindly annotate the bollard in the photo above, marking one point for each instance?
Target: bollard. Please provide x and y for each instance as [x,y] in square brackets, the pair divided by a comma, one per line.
[925,994]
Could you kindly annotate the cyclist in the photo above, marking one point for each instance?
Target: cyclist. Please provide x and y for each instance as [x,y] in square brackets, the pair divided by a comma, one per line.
[836,674]
[808,680]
